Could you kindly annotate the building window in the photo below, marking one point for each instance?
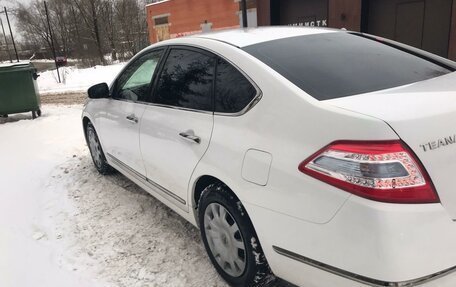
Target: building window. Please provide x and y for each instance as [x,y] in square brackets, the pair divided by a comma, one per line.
[161,20]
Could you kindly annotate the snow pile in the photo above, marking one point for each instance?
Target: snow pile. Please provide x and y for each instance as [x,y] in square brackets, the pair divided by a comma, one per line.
[63,224]
[76,80]
[30,150]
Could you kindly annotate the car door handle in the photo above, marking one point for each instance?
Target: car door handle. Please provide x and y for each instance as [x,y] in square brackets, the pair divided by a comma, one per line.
[190,135]
[132,118]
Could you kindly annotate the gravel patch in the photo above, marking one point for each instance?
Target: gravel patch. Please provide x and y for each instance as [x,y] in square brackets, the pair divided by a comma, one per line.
[73,98]
[125,237]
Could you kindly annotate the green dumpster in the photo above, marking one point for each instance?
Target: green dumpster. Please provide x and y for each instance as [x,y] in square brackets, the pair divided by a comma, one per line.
[18,89]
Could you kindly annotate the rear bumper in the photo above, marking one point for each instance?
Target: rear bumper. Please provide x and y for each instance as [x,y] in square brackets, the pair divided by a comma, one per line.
[433,278]
[366,243]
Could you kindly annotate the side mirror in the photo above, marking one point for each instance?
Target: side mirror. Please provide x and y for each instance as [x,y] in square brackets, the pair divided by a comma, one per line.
[99,91]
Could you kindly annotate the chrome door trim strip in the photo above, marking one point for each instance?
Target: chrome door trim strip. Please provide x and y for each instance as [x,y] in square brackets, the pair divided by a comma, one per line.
[360,278]
[126,167]
[249,106]
[258,96]
[163,106]
[145,180]
[167,192]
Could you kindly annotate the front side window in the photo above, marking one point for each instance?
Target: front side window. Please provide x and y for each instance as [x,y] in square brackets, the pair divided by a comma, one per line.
[186,80]
[233,91]
[134,83]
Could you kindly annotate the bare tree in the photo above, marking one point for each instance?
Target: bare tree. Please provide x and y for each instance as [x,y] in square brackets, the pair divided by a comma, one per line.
[132,20]
[32,21]
[87,29]
[89,11]
[60,13]
[109,26]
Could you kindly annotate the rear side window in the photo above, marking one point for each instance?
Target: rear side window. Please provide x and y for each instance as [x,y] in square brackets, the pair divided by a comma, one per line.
[186,80]
[233,91]
[334,65]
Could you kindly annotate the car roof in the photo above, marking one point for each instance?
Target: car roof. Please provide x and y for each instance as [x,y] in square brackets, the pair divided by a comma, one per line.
[249,36]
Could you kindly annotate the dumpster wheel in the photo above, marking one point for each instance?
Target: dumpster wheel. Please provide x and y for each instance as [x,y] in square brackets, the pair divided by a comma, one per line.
[36,114]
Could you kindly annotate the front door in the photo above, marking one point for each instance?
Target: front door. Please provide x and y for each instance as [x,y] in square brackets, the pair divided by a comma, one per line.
[123,112]
[177,126]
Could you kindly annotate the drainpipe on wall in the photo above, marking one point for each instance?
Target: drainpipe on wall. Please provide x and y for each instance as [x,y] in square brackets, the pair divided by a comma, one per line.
[244,13]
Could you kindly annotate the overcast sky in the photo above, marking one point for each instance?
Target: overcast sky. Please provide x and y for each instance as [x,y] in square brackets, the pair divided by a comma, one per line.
[9,4]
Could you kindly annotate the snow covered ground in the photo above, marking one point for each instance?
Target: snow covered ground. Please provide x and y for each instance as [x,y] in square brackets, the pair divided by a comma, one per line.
[76,80]
[63,224]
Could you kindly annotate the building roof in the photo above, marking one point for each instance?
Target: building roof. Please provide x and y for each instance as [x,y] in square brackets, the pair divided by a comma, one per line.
[250,36]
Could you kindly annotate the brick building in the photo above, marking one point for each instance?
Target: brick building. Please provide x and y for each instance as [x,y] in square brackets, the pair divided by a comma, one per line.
[426,24]
[174,18]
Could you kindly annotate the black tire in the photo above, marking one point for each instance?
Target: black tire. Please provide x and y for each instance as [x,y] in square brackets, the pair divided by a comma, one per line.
[33,114]
[100,162]
[38,112]
[256,271]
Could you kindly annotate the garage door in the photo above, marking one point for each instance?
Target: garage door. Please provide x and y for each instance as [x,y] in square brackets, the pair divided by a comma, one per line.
[409,23]
[299,12]
[423,24]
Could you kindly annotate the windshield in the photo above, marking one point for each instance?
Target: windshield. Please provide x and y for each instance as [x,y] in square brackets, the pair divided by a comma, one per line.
[335,65]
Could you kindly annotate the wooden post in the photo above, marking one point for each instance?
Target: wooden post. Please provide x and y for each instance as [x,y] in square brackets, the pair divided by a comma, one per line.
[6,41]
[52,40]
[11,32]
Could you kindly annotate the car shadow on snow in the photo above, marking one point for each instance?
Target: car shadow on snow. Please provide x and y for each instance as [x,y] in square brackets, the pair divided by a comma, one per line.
[127,237]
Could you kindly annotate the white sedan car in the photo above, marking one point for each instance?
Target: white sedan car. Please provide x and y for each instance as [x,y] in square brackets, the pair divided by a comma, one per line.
[324,157]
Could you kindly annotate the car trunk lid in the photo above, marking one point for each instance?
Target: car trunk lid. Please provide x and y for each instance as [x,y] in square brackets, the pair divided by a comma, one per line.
[423,115]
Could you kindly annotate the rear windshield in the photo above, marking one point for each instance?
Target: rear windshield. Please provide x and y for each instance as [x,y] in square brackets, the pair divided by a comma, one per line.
[335,65]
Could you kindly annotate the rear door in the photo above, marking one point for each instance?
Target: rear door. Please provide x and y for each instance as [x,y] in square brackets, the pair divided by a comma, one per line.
[122,117]
[177,125]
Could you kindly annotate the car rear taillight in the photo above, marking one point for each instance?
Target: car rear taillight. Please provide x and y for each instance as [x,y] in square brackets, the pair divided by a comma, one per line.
[385,171]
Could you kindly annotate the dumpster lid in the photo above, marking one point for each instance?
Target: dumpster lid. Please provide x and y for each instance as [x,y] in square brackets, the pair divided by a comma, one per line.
[9,67]
[21,63]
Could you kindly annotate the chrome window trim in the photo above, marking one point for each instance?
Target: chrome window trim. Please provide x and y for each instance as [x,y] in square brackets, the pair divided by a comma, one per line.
[145,180]
[177,108]
[168,51]
[114,83]
[163,106]
[248,107]
[360,278]
[252,103]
